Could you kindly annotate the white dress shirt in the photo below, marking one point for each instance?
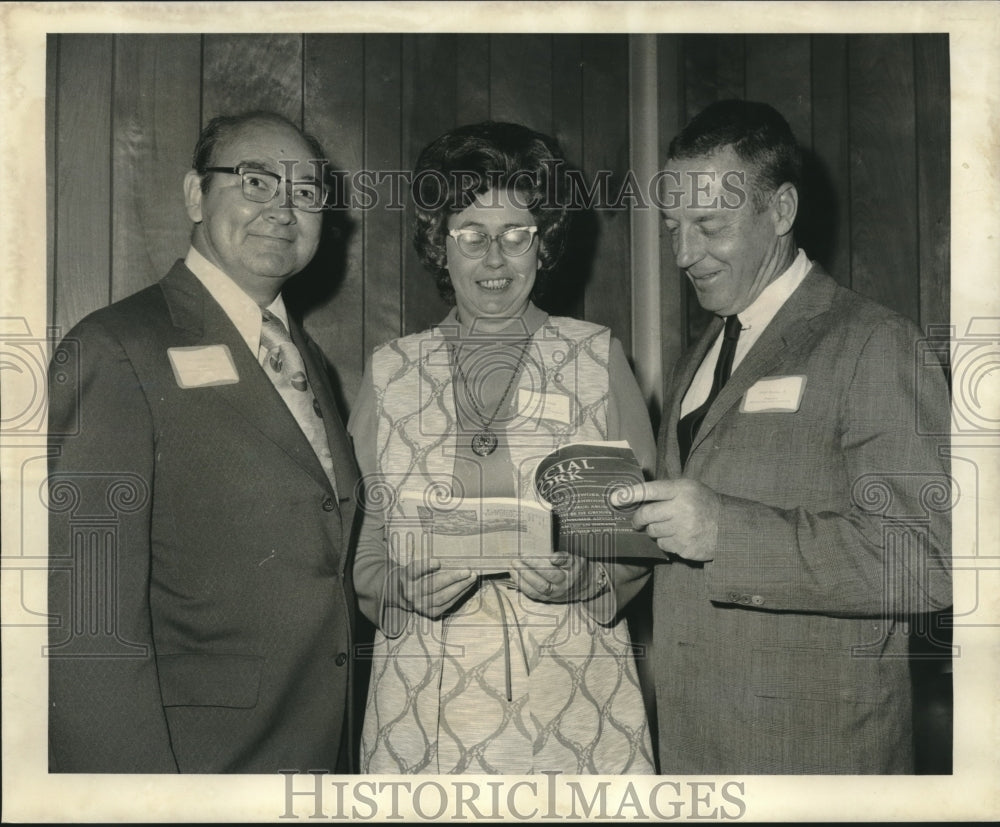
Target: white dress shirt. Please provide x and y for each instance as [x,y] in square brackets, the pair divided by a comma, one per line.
[753,320]
[237,305]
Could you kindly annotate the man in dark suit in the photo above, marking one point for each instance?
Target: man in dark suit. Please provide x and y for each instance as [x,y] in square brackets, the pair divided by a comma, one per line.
[802,498]
[202,496]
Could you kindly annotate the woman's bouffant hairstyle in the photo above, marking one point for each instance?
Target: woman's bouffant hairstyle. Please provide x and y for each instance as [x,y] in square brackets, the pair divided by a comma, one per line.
[472,160]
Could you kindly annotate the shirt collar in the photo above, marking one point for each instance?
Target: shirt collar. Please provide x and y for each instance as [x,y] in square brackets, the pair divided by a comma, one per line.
[766,306]
[242,311]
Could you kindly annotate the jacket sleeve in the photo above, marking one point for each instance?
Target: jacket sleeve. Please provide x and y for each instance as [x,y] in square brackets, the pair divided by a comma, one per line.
[886,551]
[105,710]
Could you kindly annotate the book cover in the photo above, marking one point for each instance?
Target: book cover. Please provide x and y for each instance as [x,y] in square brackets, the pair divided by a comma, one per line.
[584,482]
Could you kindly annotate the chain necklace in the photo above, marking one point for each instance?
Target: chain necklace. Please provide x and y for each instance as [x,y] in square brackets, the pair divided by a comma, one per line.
[484,442]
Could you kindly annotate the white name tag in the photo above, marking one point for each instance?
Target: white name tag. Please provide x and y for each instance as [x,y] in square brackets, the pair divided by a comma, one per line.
[774,394]
[534,405]
[200,367]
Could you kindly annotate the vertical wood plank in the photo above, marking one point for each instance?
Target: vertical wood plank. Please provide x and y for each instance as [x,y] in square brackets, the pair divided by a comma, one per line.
[521,79]
[330,291]
[252,71]
[883,170]
[605,140]
[156,123]
[385,234]
[565,292]
[429,109]
[824,224]
[472,78]
[673,293]
[83,177]
[714,69]
[933,119]
[647,347]
[778,73]
[51,120]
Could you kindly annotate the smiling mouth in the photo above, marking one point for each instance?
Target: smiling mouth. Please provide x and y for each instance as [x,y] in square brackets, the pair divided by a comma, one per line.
[495,285]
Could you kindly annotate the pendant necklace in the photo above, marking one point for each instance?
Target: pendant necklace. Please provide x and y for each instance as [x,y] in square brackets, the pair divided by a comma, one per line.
[484,441]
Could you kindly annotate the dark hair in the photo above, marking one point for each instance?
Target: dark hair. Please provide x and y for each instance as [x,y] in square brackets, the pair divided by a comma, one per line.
[474,159]
[220,129]
[757,133]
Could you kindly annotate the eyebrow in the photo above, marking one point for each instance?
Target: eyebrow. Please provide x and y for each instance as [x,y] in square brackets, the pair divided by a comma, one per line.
[510,225]
[267,166]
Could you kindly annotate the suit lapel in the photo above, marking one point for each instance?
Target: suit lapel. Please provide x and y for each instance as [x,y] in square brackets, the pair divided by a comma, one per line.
[791,324]
[336,436]
[253,398]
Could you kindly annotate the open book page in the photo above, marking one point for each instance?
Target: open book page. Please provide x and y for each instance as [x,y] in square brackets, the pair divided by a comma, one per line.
[479,534]
[584,482]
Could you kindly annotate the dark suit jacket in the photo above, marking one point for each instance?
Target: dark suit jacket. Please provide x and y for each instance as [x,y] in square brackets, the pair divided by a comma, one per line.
[200,576]
[787,652]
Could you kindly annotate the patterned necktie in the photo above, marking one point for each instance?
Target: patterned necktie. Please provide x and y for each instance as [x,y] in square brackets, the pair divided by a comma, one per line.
[284,367]
[687,427]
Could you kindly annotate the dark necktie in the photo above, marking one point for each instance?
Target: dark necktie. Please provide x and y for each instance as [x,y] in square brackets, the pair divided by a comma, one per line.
[284,367]
[687,427]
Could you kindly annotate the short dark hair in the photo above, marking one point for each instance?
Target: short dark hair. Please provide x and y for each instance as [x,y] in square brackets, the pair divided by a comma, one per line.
[473,159]
[220,128]
[757,133]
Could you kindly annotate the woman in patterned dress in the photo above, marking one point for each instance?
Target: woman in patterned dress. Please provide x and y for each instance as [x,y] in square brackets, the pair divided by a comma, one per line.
[530,670]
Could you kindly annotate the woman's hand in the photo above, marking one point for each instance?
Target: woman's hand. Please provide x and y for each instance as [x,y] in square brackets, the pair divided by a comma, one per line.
[562,578]
[422,587]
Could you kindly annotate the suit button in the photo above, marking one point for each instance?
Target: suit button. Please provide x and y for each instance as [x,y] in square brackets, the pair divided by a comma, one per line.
[341,659]
[757,600]
[328,504]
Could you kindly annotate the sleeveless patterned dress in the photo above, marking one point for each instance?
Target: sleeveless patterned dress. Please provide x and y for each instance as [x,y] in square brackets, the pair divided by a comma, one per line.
[501,683]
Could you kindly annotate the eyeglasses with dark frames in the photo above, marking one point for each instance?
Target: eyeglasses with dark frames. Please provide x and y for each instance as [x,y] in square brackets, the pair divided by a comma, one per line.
[261,185]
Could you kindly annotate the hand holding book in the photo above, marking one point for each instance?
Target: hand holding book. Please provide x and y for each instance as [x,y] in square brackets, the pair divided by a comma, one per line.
[582,507]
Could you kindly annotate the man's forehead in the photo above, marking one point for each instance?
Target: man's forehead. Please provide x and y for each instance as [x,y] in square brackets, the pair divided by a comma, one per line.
[705,184]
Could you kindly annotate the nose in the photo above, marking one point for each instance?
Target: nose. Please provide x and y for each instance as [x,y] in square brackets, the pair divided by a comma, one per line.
[688,247]
[279,209]
[494,256]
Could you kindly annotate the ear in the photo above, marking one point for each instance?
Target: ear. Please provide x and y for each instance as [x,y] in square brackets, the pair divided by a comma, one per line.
[193,195]
[785,206]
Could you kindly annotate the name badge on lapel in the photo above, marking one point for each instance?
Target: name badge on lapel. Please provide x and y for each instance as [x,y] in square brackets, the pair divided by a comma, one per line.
[774,394]
[203,366]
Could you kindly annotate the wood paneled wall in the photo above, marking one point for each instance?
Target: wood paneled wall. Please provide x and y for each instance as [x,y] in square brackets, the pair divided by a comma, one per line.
[124,111]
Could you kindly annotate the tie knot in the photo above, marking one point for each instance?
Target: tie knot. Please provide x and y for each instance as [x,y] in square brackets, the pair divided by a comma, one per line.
[273,332]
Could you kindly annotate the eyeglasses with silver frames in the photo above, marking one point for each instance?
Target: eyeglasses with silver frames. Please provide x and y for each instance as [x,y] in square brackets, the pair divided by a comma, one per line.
[513,242]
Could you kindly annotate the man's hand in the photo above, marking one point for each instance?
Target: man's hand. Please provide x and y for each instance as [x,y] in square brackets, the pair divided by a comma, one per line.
[427,590]
[681,515]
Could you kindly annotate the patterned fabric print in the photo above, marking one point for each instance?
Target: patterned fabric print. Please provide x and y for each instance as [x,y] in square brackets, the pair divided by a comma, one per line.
[502,684]
[416,425]
[284,367]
